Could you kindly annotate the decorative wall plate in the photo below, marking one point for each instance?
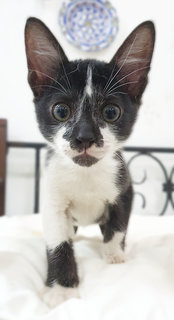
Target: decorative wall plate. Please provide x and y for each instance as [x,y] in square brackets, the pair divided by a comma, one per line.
[90,25]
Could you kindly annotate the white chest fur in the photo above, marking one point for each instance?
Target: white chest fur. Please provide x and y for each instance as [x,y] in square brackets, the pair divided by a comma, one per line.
[81,190]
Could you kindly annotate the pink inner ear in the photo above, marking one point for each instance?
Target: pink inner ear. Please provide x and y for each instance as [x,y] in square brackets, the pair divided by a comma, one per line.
[44,55]
[42,59]
[133,60]
[42,64]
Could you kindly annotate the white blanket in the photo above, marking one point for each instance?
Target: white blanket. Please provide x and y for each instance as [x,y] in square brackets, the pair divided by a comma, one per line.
[140,289]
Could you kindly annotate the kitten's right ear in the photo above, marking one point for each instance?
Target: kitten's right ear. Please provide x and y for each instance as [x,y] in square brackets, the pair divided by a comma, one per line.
[44,55]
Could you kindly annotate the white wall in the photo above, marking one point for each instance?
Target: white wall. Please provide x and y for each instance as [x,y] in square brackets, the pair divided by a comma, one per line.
[155,123]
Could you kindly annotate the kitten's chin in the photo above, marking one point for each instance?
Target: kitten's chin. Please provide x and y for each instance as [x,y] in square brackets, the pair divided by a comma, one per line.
[85,160]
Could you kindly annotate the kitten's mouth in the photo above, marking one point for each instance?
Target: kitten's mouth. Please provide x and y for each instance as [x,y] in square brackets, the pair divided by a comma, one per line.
[85,160]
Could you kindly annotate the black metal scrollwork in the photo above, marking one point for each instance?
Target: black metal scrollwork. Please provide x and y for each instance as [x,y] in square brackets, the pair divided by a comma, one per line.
[167,186]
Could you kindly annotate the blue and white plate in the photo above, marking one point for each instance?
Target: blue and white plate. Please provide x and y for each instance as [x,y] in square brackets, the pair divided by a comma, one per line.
[90,25]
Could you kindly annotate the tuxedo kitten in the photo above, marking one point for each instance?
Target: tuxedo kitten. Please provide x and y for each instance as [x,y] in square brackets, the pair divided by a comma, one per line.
[85,110]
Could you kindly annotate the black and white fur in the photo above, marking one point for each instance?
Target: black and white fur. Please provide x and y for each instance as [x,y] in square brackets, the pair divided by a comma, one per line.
[87,180]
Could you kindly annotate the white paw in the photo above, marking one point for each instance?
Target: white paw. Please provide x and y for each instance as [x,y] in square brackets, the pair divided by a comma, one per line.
[118,257]
[53,296]
[112,249]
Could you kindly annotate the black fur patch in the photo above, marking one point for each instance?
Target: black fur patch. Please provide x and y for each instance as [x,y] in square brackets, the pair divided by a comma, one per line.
[62,268]
[118,216]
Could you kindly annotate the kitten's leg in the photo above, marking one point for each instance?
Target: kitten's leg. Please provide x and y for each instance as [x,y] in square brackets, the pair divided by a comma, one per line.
[62,267]
[115,228]
[62,276]
[58,233]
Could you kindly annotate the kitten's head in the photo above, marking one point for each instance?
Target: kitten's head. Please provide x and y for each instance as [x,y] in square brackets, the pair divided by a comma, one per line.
[86,108]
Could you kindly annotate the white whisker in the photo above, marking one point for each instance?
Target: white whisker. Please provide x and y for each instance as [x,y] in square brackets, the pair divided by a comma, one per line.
[44,85]
[114,93]
[50,78]
[67,79]
[108,82]
[76,69]
[121,85]
[123,62]
[128,75]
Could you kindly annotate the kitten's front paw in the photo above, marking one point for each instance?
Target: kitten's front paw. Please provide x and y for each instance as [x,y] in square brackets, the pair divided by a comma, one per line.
[118,257]
[53,296]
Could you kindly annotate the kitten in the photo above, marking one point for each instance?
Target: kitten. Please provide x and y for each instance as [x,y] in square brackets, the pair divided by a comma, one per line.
[86,110]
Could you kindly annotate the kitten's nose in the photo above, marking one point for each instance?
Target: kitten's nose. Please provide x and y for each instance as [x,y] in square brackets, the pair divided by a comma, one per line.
[85,138]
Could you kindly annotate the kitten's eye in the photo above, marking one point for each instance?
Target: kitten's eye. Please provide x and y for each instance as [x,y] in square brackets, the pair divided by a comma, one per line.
[111,113]
[61,112]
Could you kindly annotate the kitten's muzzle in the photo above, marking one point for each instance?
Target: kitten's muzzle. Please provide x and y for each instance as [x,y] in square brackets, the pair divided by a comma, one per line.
[85,137]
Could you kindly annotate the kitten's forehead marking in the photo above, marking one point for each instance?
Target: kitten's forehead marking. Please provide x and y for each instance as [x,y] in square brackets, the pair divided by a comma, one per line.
[87,90]
[88,87]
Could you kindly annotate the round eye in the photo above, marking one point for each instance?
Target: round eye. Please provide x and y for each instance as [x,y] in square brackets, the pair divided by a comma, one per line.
[111,113]
[61,112]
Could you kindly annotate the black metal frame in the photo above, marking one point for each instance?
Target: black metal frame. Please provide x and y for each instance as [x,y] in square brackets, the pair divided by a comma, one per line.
[168,185]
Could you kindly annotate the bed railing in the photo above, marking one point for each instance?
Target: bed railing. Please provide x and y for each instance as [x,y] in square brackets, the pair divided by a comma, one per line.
[167,185]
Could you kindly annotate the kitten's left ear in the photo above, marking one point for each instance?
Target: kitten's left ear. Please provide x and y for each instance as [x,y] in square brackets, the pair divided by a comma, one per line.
[133,59]
[44,55]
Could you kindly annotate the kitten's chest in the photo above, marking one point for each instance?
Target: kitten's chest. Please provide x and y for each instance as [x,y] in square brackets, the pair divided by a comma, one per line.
[90,190]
